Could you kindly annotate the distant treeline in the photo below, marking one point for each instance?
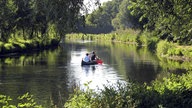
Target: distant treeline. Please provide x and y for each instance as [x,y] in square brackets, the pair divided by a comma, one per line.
[112,15]
[167,19]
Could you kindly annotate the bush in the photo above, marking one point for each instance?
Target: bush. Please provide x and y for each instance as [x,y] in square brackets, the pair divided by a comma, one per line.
[81,99]
[172,92]
[163,47]
[1,46]
[25,101]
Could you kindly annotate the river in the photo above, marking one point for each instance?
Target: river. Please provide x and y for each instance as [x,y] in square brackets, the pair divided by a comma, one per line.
[50,75]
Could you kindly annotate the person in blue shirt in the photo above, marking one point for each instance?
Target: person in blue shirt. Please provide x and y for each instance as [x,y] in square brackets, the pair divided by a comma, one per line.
[86,58]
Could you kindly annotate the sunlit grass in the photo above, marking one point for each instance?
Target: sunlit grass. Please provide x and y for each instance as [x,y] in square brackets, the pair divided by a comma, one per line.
[174,51]
[19,44]
[128,35]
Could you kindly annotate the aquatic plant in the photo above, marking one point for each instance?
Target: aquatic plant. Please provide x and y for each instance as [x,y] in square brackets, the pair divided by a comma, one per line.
[24,101]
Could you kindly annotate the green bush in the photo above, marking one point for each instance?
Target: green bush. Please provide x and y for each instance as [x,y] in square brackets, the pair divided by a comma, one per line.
[25,101]
[1,46]
[172,92]
[81,99]
[8,46]
[163,47]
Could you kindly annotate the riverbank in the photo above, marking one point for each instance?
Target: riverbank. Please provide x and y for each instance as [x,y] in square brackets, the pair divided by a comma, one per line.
[174,51]
[20,45]
[163,48]
[126,36]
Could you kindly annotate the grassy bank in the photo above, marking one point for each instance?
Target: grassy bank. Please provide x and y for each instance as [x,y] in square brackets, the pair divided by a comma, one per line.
[173,92]
[15,45]
[174,51]
[127,36]
[162,48]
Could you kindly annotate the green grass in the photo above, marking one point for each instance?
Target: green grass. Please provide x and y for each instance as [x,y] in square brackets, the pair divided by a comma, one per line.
[128,36]
[174,51]
[19,44]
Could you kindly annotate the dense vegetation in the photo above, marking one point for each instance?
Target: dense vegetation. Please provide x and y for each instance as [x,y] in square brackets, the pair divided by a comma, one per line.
[165,25]
[26,24]
[34,18]
[112,15]
[173,92]
[38,23]
[168,19]
[129,36]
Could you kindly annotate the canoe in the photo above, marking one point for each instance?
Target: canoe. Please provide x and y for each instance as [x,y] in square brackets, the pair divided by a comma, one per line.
[91,62]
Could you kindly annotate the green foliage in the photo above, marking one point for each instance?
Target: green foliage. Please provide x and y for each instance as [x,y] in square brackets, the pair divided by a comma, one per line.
[34,18]
[103,16]
[170,19]
[124,19]
[9,46]
[25,101]
[174,83]
[81,99]
[174,51]
[112,15]
[19,45]
[174,91]
[1,46]
[4,102]
[148,39]
[163,47]
[8,11]
[108,98]
[128,36]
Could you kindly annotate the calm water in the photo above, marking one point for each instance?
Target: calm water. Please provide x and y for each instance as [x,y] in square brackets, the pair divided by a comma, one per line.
[50,75]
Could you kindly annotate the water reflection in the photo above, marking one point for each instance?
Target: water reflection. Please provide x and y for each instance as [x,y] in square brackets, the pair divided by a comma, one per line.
[49,75]
[89,68]
[97,74]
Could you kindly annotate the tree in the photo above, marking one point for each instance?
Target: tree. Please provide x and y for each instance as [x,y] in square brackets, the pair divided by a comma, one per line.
[169,19]
[124,19]
[33,18]
[7,22]
[102,17]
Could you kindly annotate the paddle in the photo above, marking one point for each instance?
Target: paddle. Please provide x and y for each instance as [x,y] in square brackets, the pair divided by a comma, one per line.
[99,61]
